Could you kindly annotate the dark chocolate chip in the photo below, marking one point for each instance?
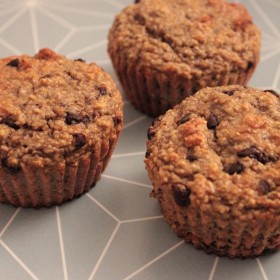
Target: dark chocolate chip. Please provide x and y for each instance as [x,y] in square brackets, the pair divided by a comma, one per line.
[73,118]
[151,133]
[272,92]
[183,119]
[150,32]
[192,158]
[117,120]
[102,90]
[181,195]
[80,59]
[79,140]
[251,152]
[10,122]
[235,168]
[264,158]
[191,155]
[137,1]
[11,169]
[13,63]
[147,154]
[256,153]
[229,92]
[212,122]
[264,187]
[250,66]
[140,19]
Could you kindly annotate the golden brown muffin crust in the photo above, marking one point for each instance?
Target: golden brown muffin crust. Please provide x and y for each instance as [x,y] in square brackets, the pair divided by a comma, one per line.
[214,164]
[54,109]
[192,38]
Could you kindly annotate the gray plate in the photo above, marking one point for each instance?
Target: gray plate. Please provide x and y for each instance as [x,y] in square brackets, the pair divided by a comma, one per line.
[115,231]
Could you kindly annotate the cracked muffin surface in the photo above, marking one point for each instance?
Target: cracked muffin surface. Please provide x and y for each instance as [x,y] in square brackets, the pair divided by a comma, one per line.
[214,164]
[59,123]
[191,44]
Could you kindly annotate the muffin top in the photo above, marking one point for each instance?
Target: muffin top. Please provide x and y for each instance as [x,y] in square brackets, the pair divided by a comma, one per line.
[54,109]
[191,38]
[219,150]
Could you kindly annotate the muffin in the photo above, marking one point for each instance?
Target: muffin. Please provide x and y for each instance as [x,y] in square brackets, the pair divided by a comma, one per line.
[214,164]
[59,123]
[164,51]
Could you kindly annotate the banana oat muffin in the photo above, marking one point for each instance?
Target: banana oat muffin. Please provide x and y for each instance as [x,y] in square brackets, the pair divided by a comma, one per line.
[59,122]
[214,164]
[164,51]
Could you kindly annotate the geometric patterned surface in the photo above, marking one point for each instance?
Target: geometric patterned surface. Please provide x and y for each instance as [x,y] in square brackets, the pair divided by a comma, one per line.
[115,231]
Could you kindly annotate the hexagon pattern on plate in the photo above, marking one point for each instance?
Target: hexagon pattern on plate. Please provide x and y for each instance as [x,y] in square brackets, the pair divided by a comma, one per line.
[115,231]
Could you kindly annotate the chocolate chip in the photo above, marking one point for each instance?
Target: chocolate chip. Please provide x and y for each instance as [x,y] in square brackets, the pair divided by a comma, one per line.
[117,120]
[183,119]
[10,122]
[13,63]
[102,90]
[11,169]
[250,66]
[264,158]
[229,92]
[212,122]
[80,59]
[256,153]
[140,19]
[150,32]
[147,154]
[263,187]
[192,158]
[73,118]
[272,92]
[137,1]
[235,168]
[151,133]
[181,195]
[79,140]
[251,152]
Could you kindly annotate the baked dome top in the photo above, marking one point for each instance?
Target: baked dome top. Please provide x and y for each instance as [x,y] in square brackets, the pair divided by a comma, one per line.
[219,150]
[191,38]
[54,109]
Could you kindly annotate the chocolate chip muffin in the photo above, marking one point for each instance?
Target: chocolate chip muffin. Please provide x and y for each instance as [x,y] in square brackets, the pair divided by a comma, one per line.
[59,122]
[164,51]
[214,164]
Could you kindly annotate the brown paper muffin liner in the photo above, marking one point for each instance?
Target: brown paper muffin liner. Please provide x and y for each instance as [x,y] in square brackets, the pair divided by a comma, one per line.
[231,237]
[153,93]
[44,187]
